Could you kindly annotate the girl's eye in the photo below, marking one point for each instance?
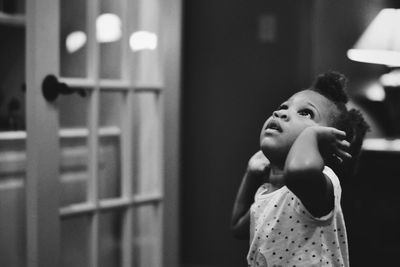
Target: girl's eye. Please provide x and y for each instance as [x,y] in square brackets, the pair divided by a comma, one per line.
[307,113]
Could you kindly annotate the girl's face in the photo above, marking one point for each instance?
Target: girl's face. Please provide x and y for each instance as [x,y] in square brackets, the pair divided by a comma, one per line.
[304,109]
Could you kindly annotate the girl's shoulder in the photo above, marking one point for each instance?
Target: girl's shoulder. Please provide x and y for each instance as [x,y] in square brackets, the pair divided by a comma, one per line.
[268,190]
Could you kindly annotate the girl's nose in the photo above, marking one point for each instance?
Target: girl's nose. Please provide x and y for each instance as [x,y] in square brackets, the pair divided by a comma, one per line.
[282,114]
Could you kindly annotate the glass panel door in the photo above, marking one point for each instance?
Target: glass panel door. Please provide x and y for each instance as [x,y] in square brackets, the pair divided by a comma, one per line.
[84,184]
[110,134]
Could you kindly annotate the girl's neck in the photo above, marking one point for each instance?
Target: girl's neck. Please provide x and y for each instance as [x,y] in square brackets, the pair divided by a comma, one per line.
[275,170]
[276,176]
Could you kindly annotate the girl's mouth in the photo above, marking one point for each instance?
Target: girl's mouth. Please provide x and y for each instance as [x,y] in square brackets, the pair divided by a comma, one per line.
[273,125]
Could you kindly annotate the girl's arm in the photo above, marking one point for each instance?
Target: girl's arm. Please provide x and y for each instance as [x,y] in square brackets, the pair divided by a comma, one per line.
[255,175]
[305,162]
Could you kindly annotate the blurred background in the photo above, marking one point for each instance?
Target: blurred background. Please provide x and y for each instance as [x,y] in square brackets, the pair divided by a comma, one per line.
[241,59]
[225,66]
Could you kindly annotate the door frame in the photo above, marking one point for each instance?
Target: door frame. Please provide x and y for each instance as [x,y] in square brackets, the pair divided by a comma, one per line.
[172,24]
[43,230]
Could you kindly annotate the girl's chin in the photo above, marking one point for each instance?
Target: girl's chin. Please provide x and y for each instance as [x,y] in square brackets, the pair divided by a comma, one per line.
[268,144]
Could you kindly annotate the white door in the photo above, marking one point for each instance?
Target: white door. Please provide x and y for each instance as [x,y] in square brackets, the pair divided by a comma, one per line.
[100,189]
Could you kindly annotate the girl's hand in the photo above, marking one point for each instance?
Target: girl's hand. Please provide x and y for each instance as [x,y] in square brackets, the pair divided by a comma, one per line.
[259,165]
[331,142]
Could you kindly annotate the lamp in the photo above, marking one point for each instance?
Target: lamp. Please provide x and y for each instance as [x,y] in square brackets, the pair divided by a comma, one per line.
[380,44]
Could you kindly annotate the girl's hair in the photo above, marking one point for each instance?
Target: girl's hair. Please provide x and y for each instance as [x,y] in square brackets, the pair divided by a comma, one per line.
[332,85]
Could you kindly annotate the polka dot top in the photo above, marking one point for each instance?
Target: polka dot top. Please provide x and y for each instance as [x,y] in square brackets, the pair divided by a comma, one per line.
[284,233]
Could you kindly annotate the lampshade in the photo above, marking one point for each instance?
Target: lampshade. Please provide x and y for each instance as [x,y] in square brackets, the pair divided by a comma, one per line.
[380,42]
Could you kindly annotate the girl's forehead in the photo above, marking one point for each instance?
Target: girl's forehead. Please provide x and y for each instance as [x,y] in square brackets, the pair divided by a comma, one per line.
[311,97]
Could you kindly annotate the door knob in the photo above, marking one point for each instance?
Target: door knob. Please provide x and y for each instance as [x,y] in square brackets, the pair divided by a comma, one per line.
[52,88]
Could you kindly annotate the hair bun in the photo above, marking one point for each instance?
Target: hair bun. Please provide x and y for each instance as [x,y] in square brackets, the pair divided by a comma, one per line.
[332,84]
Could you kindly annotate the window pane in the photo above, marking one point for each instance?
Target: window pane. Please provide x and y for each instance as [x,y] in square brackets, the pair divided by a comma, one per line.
[147,236]
[144,43]
[75,238]
[73,110]
[110,144]
[74,170]
[109,35]
[12,138]
[12,6]
[148,154]
[12,78]
[73,38]
[12,202]
[110,239]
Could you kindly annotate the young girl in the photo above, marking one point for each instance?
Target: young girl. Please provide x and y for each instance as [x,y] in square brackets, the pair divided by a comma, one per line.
[290,194]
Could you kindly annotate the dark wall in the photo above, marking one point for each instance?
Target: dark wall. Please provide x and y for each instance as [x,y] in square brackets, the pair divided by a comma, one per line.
[231,83]
[373,216]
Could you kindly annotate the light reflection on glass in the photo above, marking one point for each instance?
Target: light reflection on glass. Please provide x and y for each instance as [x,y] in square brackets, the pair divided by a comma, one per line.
[108,28]
[143,40]
[75,41]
